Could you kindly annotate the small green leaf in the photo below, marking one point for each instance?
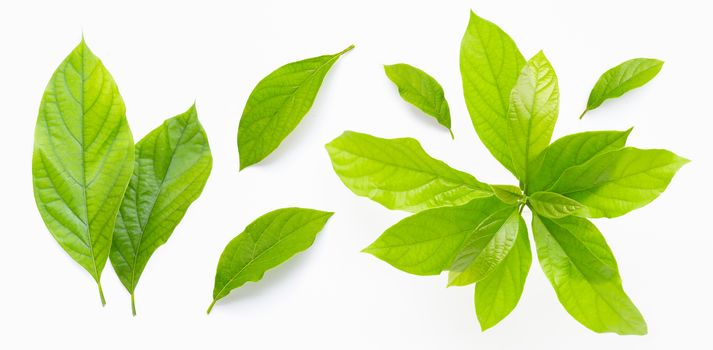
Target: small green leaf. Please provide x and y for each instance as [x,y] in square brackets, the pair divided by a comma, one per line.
[399,174]
[490,64]
[498,294]
[621,79]
[553,205]
[534,105]
[509,194]
[582,270]
[277,105]
[573,150]
[426,243]
[172,166]
[267,242]
[421,90]
[615,183]
[83,158]
[485,248]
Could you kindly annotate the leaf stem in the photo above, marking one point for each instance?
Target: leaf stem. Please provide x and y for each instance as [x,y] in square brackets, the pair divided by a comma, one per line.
[345,50]
[101,293]
[583,113]
[210,307]
[133,305]
[452,137]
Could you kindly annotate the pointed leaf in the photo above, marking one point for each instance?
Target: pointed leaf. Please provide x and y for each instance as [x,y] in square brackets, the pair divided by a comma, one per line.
[83,158]
[615,183]
[399,174]
[172,166]
[278,103]
[426,243]
[490,64]
[582,269]
[498,294]
[507,193]
[485,248]
[534,105]
[267,242]
[573,150]
[553,205]
[625,77]
[421,90]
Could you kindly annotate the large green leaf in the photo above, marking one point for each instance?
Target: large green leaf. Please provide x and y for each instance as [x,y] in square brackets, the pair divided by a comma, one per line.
[83,158]
[267,242]
[399,174]
[426,243]
[485,248]
[582,269]
[615,183]
[490,64]
[573,150]
[534,105]
[172,166]
[277,105]
[625,77]
[421,90]
[498,294]
[553,205]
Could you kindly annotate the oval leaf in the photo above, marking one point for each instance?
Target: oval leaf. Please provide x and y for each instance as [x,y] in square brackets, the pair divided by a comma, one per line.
[172,166]
[267,242]
[399,174]
[625,77]
[426,243]
[421,90]
[83,158]
[490,64]
[277,105]
[509,194]
[615,183]
[534,105]
[553,205]
[582,270]
[485,248]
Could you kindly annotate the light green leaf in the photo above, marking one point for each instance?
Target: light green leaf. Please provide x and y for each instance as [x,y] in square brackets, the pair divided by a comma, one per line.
[426,243]
[498,294]
[490,64]
[582,269]
[267,242]
[625,77]
[83,158]
[485,248]
[421,90]
[553,205]
[399,174]
[615,183]
[573,150]
[534,105]
[172,166]
[277,105]
[507,193]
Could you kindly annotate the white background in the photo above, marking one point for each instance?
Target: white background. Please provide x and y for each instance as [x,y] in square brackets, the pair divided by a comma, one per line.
[165,55]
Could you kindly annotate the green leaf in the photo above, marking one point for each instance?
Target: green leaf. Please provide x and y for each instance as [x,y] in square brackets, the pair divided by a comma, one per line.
[582,270]
[621,79]
[498,294]
[426,243]
[83,158]
[507,193]
[534,105]
[421,90]
[399,174]
[553,205]
[485,248]
[172,166]
[615,183]
[573,150]
[267,242]
[278,103]
[490,64]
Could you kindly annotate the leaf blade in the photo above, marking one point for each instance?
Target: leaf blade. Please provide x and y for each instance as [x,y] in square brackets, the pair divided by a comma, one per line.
[553,205]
